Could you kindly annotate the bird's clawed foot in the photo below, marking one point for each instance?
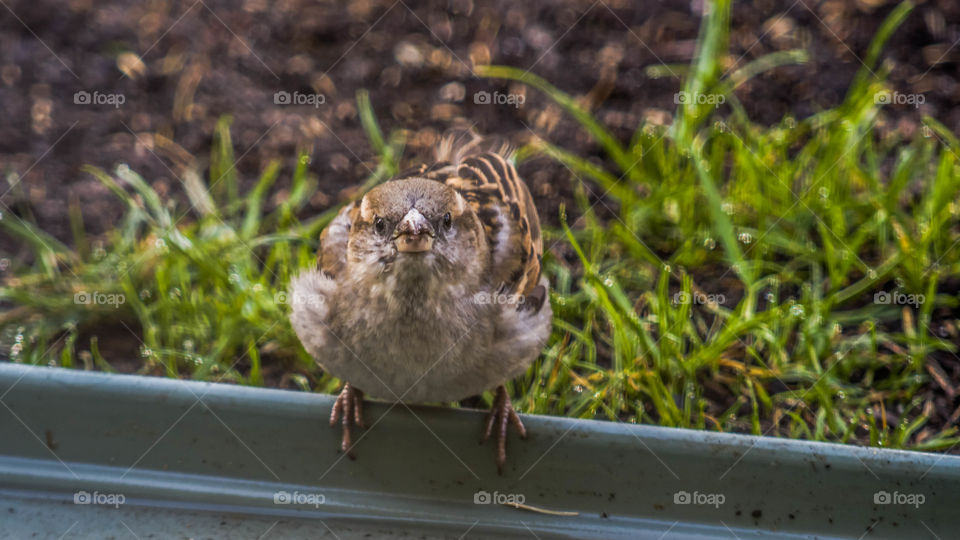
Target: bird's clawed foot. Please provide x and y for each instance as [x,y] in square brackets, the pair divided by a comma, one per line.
[501,415]
[349,407]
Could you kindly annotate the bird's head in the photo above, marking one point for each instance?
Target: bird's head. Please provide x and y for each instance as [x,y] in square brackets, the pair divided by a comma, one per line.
[417,224]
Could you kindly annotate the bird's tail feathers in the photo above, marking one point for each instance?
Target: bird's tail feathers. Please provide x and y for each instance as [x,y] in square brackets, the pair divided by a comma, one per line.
[460,143]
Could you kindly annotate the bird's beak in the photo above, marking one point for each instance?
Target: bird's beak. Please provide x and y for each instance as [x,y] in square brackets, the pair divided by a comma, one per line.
[414,234]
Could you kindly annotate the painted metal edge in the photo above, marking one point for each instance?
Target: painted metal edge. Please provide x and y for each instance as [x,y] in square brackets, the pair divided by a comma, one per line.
[231,449]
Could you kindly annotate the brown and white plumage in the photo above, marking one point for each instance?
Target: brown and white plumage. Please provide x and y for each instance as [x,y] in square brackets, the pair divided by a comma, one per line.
[491,186]
[415,297]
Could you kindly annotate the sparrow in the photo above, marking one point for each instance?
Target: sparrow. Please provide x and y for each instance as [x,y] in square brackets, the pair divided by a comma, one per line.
[430,289]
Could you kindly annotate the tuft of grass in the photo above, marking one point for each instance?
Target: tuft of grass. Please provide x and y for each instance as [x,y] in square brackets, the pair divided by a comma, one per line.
[201,290]
[775,280]
[781,280]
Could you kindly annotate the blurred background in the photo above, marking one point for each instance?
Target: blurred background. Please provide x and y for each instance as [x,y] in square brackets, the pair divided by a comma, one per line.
[180,66]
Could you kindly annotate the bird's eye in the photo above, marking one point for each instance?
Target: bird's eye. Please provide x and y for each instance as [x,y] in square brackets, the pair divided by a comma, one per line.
[380,225]
[447,220]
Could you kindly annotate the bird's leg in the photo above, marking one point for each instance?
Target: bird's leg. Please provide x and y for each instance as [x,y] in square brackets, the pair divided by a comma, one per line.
[349,409]
[500,416]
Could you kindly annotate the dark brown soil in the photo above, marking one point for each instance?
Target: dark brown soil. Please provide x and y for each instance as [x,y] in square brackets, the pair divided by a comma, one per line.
[205,59]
